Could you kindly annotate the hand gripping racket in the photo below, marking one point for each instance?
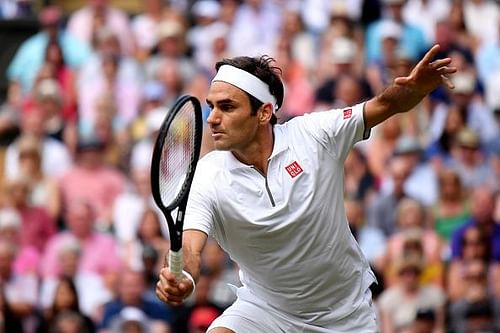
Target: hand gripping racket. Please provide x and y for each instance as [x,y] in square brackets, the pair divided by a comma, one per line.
[175,155]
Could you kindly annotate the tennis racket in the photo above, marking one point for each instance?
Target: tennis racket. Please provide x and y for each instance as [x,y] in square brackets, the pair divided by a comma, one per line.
[175,155]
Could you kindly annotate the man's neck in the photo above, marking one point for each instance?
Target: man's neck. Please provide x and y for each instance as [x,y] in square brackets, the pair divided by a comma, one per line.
[258,152]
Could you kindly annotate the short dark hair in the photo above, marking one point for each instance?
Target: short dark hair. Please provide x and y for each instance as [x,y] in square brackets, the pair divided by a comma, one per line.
[263,68]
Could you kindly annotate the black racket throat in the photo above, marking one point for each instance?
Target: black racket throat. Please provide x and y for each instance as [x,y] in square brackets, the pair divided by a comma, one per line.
[175,155]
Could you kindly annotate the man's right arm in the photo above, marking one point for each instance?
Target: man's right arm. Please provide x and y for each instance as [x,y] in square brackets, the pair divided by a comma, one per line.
[173,291]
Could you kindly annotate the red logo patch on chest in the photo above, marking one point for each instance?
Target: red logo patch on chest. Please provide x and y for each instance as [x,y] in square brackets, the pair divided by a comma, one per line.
[294,169]
[347,113]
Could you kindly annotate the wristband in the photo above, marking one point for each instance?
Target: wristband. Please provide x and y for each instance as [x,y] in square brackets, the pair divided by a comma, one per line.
[190,278]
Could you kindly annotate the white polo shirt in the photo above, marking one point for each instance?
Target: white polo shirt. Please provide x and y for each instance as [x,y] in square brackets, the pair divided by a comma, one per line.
[288,231]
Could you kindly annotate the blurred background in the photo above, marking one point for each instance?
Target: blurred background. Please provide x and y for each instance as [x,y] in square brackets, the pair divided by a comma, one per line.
[85,85]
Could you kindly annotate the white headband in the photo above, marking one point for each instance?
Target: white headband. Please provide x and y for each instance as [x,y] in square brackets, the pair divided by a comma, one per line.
[246,82]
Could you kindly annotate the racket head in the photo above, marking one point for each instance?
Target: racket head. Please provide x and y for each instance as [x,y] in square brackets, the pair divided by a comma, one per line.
[175,155]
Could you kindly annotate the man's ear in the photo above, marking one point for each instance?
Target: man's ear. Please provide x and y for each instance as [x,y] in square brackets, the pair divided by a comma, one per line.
[265,113]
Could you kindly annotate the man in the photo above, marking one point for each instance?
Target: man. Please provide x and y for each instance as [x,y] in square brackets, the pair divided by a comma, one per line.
[272,197]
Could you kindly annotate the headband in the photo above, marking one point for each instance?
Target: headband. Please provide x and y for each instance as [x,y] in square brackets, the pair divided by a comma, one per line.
[246,82]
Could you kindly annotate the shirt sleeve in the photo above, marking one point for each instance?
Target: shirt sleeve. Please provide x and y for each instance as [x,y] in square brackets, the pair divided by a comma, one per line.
[338,129]
[200,206]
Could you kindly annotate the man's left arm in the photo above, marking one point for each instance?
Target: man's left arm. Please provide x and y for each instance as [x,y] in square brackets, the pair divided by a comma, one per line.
[406,92]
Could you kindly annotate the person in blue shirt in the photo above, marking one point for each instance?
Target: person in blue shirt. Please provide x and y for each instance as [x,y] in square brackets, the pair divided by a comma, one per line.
[30,56]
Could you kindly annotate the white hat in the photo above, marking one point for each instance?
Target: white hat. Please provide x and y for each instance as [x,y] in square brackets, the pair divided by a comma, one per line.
[206,8]
[167,29]
[343,50]
[155,118]
[464,83]
[9,217]
[390,29]
[49,88]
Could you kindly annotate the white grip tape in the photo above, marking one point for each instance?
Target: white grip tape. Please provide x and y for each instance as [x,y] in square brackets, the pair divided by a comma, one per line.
[175,263]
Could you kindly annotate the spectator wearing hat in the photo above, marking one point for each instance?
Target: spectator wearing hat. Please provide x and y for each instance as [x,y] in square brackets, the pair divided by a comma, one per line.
[170,48]
[465,97]
[93,181]
[412,39]
[146,23]
[56,158]
[27,256]
[421,183]
[131,319]
[469,160]
[86,22]
[32,52]
[399,304]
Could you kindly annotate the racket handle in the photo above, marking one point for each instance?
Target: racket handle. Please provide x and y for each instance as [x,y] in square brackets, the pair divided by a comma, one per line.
[175,263]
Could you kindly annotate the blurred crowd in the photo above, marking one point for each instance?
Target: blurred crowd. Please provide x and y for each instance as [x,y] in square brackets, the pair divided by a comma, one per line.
[81,242]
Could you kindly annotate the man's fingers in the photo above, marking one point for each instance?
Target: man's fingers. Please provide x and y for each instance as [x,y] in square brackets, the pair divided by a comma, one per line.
[447,82]
[430,54]
[440,63]
[447,70]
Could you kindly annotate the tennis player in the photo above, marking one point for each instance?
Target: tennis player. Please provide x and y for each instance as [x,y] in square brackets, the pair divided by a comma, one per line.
[272,196]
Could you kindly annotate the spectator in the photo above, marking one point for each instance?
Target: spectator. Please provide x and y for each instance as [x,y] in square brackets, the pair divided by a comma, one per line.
[382,211]
[86,22]
[255,28]
[80,220]
[109,72]
[359,183]
[131,294]
[201,318]
[93,181]
[27,256]
[131,319]
[56,158]
[426,14]
[412,41]
[10,322]
[44,189]
[412,233]
[32,52]
[37,225]
[66,298]
[399,304]
[482,205]
[469,160]
[92,293]
[69,322]
[371,240]
[149,234]
[476,290]
[421,183]
[481,19]
[452,207]
[20,289]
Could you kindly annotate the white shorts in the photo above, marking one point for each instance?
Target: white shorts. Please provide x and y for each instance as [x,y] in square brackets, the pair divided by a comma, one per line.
[249,314]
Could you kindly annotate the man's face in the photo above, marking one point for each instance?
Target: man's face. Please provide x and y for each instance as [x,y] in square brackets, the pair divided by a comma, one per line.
[231,122]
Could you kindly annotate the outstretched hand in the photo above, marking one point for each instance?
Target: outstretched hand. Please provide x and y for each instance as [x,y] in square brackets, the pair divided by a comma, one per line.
[427,75]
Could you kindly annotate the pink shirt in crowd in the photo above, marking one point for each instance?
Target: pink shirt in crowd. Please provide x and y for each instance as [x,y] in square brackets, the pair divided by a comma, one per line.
[99,187]
[99,254]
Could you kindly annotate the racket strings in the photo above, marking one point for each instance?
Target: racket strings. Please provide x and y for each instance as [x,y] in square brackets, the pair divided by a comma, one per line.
[177,150]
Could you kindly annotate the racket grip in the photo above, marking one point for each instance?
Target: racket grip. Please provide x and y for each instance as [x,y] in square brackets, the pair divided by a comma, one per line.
[175,263]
